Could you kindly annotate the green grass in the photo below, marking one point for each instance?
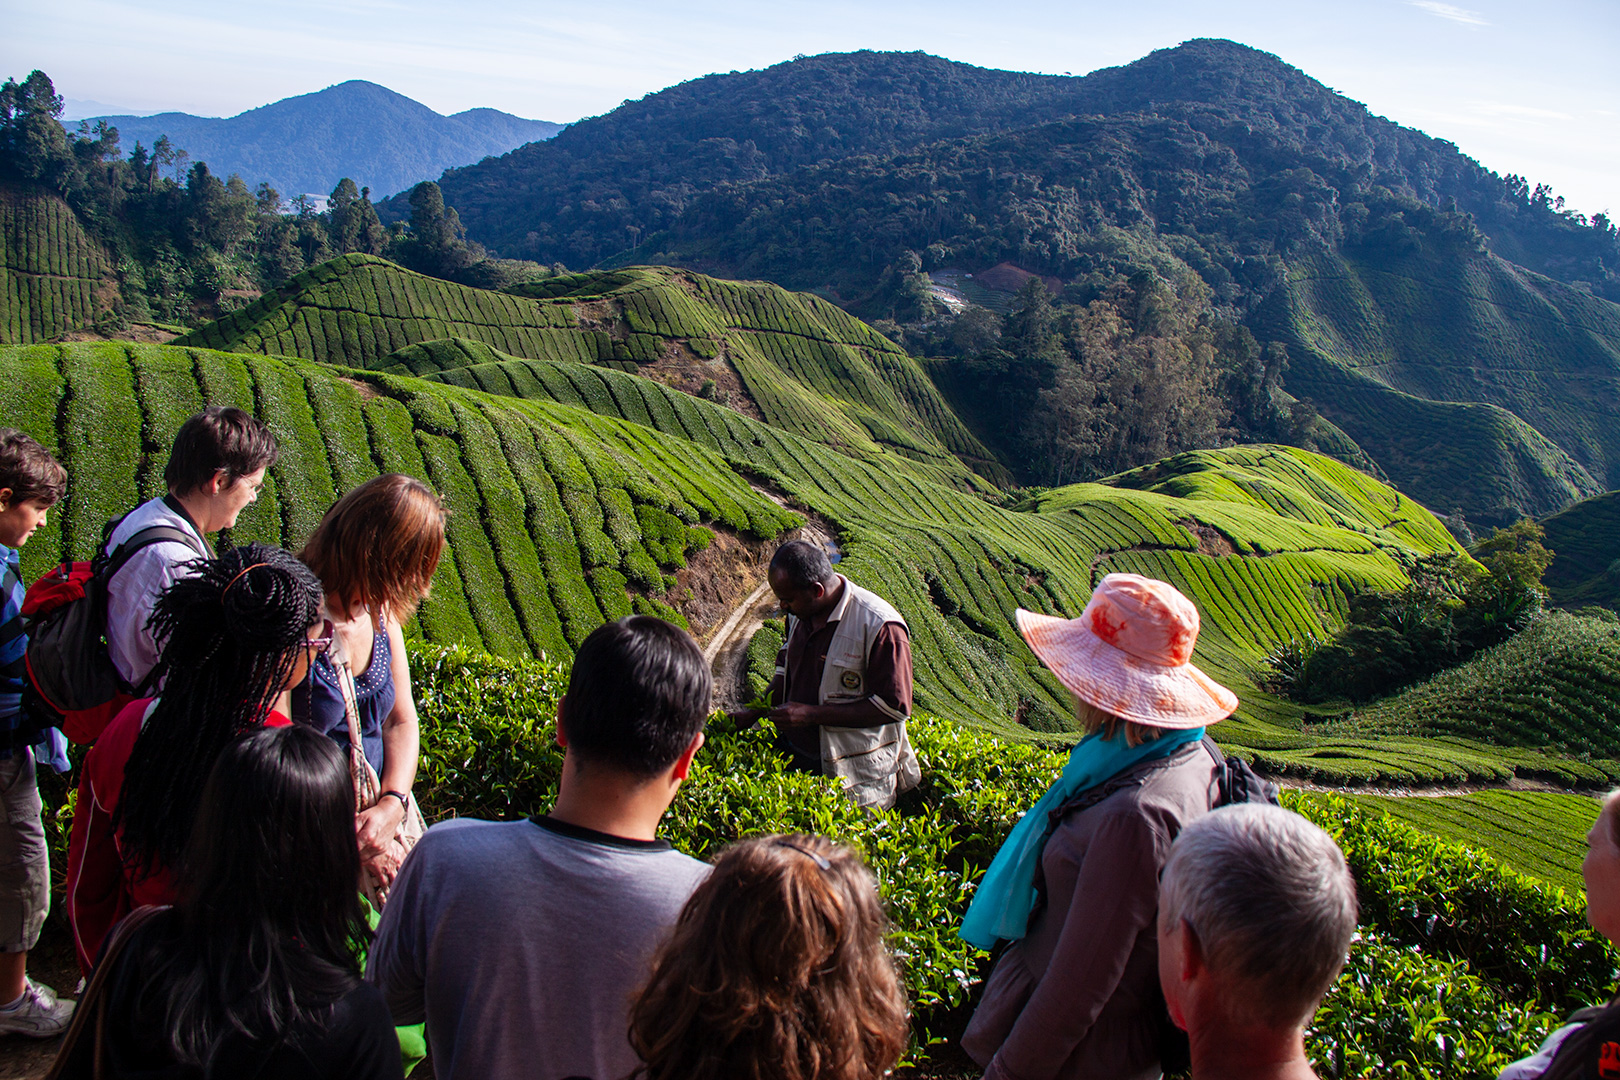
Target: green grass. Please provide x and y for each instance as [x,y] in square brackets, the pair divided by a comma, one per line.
[53,277]
[1540,834]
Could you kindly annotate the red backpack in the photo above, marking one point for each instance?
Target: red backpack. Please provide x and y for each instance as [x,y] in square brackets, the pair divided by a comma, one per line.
[72,683]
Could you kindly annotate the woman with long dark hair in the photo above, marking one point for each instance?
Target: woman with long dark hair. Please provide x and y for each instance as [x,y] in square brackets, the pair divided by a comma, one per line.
[375,552]
[777,970]
[235,634]
[255,972]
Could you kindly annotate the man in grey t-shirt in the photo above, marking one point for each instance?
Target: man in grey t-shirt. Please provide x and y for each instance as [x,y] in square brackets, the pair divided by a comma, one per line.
[521,942]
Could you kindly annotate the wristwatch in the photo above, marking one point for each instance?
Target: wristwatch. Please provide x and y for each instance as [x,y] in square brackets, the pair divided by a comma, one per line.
[404,799]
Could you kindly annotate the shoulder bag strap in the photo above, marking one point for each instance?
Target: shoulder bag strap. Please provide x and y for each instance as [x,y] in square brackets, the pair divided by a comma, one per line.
[366,785]
[90,1003]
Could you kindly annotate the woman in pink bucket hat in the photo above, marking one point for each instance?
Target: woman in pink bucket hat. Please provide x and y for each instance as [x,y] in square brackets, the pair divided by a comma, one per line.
[1075,887]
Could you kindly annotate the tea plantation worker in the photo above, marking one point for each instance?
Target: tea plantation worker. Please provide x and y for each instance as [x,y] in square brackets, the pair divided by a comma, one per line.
[1256,912]
[520,943]
[375,552]
[215,470]
[777,968]
[31,482]
[1075,886]
[843,679]
[235,634]
[254,971]
[1589,1045]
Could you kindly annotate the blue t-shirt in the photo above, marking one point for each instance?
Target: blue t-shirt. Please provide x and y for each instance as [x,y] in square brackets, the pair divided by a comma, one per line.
[13,646]
[318,703]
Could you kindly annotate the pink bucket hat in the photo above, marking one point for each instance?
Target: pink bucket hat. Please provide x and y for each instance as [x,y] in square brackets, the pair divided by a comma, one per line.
[1129,653]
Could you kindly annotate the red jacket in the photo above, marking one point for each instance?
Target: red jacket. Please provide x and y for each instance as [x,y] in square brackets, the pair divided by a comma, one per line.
[101,888]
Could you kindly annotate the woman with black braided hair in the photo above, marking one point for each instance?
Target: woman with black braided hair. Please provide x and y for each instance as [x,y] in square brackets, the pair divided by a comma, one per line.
[234,636]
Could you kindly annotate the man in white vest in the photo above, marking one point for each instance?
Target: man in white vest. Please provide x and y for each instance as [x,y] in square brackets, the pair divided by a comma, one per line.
[842,690]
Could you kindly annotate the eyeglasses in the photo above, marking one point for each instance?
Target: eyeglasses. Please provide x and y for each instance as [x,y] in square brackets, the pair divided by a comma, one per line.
[807,853]
[324,641]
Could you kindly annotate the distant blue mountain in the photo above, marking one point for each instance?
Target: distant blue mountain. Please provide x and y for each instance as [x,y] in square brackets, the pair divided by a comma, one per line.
[306,144]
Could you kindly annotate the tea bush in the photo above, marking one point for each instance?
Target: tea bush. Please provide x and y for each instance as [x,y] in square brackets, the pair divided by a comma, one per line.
[1461,967]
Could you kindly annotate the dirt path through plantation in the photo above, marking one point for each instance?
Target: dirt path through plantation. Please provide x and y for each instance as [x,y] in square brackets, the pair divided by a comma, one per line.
[727,651]
[1429,791]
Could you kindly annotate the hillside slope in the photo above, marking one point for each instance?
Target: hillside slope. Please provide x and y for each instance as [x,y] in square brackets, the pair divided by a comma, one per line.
[1390,337]
[53,276]
[1585,542]
[1352,277]
[377,138]
[806,366]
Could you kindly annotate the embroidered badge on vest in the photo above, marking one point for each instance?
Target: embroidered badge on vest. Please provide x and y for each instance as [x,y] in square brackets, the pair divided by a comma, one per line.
[1609,1061]
[851,680]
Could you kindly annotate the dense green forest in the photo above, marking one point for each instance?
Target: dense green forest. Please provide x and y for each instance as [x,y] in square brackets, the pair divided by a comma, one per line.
[156,237]
[607,184]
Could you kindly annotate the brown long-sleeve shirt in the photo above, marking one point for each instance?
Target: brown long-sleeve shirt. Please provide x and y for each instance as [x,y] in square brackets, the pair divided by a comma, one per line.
[1078,997]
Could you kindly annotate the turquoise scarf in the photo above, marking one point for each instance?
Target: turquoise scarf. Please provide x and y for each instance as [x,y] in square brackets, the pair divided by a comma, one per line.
[1006,895]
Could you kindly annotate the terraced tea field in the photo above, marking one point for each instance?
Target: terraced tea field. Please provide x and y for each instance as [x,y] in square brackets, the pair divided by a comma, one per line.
[1555,684]
[1585,540]
[809,367]
[1469,405]
[1538,833]
[1300,533]
[53,277]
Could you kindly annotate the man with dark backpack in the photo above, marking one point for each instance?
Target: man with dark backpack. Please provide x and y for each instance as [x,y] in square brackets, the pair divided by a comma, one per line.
[90,651]
[215,470]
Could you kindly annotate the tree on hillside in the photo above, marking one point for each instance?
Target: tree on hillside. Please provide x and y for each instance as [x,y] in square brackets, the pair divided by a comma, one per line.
[353,222]
[437,243]
[33,144]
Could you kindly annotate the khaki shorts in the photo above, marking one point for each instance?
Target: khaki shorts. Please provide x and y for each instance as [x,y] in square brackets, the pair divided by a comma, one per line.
[25,867]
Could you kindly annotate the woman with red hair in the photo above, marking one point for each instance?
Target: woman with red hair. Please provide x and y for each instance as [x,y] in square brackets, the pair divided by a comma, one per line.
[375,552]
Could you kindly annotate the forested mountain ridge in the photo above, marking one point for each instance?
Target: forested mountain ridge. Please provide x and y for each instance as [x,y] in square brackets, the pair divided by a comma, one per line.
[306,144]
[610,181]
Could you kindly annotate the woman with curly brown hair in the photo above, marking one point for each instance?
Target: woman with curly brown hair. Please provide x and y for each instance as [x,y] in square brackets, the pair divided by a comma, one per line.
[375,552]
[777,970]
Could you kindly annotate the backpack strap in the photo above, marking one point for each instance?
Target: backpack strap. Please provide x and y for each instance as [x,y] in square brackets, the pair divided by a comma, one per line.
[145,538]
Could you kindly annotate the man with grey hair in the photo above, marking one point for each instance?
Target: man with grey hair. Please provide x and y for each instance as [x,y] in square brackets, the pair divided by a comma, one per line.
[1256,911]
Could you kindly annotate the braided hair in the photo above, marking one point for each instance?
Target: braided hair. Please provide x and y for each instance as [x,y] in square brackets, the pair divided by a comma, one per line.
[231,634]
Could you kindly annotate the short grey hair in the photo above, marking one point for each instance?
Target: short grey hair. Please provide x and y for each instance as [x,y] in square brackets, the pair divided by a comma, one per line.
[1272,902]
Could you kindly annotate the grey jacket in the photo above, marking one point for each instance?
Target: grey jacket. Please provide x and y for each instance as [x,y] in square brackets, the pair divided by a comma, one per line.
[1078,997]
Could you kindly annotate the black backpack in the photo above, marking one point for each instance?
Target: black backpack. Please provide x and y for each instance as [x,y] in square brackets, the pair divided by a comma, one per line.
[1237,782]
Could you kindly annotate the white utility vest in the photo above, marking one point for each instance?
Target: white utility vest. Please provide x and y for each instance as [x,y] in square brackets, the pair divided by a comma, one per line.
[876,764]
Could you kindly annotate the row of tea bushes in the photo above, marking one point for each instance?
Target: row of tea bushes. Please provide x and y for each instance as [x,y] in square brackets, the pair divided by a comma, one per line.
[1538,833]
[53,276]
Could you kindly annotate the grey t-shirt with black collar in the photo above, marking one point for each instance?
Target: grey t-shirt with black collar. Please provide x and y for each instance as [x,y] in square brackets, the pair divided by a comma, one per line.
[521,942]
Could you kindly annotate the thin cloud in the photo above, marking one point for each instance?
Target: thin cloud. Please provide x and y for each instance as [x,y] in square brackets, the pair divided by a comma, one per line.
[1450,11]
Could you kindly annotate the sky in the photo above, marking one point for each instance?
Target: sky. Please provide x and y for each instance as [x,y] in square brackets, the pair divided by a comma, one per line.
[1529,88]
